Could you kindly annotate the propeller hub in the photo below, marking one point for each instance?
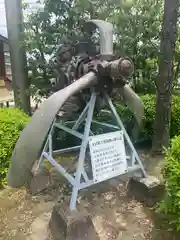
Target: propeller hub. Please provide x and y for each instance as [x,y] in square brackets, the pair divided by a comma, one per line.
[126,68]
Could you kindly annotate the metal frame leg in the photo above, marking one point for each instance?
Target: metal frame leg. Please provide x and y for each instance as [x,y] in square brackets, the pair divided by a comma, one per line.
[80,165]
[119,122]
[48,143]
[81,117]
[81,174]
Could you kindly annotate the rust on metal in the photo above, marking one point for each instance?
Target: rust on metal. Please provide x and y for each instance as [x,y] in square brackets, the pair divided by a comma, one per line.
[30,143]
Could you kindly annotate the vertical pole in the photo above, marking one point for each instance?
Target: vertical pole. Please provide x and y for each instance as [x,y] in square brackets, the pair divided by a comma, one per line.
[80,165]
[20,81]
[7,104]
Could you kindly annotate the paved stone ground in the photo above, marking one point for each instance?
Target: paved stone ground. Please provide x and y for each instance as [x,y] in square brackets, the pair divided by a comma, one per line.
[115,214]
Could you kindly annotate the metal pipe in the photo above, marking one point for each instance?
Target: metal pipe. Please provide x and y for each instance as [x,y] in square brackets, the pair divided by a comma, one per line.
[66,150]
[60,169]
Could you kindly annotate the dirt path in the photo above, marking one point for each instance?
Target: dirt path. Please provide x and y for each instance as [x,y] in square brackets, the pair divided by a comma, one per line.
[18,210]
[115,214]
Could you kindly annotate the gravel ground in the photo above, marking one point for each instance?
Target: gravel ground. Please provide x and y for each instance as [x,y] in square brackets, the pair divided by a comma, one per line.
[114,213]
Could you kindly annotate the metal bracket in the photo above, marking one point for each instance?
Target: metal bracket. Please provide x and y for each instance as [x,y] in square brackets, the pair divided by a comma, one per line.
[80,179]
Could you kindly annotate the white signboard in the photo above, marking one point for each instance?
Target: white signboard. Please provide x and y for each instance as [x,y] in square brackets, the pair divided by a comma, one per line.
[108,156]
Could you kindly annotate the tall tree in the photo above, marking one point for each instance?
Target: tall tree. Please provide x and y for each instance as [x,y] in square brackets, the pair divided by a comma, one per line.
[165,78]
[17,54]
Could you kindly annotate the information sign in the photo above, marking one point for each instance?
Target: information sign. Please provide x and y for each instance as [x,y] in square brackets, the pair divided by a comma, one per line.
[108,155]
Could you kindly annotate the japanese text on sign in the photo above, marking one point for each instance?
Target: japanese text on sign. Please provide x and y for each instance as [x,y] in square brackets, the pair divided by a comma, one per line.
[108,155]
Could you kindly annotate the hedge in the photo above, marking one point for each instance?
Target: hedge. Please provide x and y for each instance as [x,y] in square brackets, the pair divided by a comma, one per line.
[149,116]
[12,122]
[171,174]
[129,121]
[148,119]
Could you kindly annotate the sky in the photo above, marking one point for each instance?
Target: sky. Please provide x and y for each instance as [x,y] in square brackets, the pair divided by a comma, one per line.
[3,29]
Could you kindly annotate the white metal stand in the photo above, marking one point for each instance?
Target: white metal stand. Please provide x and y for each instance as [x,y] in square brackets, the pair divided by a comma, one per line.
[80,178]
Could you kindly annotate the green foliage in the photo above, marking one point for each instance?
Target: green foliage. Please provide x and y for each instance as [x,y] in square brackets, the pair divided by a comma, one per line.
[62,140]
[177,59]
[175,124]
[171,174]
[148,119]
[149,116]
[129,120]
[137,25]
[12,122]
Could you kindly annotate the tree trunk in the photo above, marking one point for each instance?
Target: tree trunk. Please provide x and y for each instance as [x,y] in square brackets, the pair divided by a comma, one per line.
[161,134]
[20,80]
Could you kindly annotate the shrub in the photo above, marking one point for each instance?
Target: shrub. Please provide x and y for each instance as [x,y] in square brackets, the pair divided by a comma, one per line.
[175,123]
[149,116]
[149,102]
[63,140]
[12,122]
[129,120]
[171,174]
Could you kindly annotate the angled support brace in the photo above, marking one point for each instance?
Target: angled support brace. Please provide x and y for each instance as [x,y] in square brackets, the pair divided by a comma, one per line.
[80,179]
[120,124]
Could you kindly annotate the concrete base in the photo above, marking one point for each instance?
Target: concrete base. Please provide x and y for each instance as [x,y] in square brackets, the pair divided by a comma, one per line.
[66,225]
[146,190]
